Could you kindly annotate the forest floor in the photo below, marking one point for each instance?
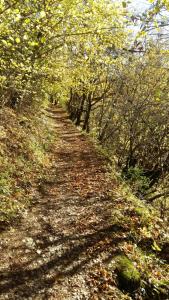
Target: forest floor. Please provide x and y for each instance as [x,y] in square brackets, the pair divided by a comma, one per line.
[58,249]
[65,244]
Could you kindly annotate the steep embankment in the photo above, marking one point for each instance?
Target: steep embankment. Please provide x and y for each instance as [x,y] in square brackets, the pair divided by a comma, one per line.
[70,244]
[25,140]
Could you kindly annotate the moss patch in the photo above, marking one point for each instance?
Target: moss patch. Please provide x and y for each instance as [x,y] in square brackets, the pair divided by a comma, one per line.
[128,275]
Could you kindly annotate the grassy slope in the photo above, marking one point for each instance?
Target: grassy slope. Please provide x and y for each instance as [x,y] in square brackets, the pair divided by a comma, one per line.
[145,245]
[24,143]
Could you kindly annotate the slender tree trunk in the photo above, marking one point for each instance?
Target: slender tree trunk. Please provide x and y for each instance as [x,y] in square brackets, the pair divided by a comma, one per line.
[80,110]
[87,115]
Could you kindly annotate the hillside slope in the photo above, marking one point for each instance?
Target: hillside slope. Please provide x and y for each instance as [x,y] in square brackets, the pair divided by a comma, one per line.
[84,236]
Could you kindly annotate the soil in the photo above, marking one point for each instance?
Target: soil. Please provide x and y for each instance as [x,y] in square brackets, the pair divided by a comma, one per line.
[60,247]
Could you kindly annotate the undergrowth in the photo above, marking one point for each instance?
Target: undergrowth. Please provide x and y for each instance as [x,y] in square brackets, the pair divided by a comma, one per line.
[25,141]
[145,243]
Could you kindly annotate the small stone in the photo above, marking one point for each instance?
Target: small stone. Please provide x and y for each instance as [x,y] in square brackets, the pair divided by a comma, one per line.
[29,243]
[27,251]
[40,262]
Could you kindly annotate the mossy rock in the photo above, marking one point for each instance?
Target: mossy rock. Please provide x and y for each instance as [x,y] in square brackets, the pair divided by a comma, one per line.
[127,274]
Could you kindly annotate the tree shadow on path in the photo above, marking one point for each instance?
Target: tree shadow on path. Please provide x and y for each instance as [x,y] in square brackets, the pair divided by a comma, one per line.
[79,251]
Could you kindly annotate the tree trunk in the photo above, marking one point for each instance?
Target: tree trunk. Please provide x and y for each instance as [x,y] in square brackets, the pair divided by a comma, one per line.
[80,110]
[87,115]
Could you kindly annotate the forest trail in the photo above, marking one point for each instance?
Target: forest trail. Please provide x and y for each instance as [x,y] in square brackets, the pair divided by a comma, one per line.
[59,247]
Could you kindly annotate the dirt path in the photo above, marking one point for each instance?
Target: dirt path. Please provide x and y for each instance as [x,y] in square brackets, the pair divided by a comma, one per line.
[59,248]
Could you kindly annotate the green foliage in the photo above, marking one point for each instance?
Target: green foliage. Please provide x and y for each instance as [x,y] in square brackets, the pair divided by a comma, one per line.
[38,40]
[136,178]
[5,185]
[38,150]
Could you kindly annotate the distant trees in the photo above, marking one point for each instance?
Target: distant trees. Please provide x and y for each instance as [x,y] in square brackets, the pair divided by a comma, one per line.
[125,103]
[91,57]
[122,97]
[133,121]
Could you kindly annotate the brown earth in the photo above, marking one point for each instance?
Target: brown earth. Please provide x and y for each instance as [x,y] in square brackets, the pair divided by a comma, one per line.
[60,246]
